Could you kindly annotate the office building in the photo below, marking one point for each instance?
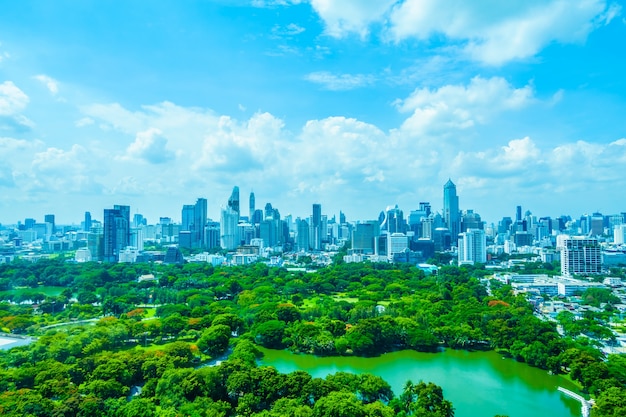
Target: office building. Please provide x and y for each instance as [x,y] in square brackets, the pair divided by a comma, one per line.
[472,247]
[315,234]
[49,218]
[252,206]
[397,243]
[471,220]
[451,214]
[228,228]
[580,255]
[364,237]
[233,201]
[116,232]
[87,222]
[302,235]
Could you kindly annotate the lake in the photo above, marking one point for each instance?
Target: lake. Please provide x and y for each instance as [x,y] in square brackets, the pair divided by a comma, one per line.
[479,384]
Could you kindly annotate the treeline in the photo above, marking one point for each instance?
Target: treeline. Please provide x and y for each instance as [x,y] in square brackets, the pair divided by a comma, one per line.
[345,309]
[167,383]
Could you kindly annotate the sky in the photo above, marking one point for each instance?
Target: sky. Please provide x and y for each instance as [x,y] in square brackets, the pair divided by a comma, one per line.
[353,104]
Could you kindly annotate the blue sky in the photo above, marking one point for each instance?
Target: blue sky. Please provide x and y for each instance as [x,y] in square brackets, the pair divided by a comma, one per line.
[354,104]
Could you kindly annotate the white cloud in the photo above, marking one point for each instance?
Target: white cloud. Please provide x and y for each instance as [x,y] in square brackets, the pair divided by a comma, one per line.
[340,82]
[12,99]
[510,159]
[460,106]
[85,121]
[489,32]
[64,171]
[233,146]
[291,29]
[336,160]
[351,16]
[151,146]
[274,3]
[51,84]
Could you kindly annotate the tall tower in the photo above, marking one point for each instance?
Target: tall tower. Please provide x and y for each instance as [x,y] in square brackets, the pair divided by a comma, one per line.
[580,255]
[316,227]
[233,201]
[116,231]
[49,218]
[228,228]
[472,247]
[252,205]
[451,213]
[87,225]
[199,222]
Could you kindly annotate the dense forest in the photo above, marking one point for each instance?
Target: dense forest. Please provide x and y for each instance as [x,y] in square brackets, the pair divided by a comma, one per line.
[159,333]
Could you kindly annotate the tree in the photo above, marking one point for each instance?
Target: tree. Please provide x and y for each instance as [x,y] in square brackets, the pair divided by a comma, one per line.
[610,403]
[270,334]
[214,340]
[174,324]
[339,404]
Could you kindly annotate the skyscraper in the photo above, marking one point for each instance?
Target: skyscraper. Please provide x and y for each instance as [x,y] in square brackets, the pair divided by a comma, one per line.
[302,235]
[200,215]
[187,217]
[580,255]
[252,205]
[49,218]
[364,237]
[87,225]
[316,228]
[228,228]
[472,246]
[233,201]
[451,213]
[116,231]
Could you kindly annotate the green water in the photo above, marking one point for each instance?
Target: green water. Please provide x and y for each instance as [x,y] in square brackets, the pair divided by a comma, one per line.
[479,384]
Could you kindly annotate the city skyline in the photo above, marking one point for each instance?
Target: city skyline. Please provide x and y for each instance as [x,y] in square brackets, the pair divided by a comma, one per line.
[353,104]
[181,216]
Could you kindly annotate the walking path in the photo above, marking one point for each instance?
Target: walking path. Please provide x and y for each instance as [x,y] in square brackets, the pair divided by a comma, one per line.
[586,405]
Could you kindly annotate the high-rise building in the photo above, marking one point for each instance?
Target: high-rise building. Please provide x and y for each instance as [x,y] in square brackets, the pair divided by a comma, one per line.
[139,220]
[596,224]
[194,217]
[451,212]
[394,220]
[471,220]
[396,243]
[302,235]
[187,217]
[116,232]
[619,234]
[233,201]
[200,215]
[472,247]
[228,228]
[580,255]
[29,223]
[252,206]
[49,218]
[315,234]
[87,224]
[364,237]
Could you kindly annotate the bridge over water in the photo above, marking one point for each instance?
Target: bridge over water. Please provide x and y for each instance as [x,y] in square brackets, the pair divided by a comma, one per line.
[585,405]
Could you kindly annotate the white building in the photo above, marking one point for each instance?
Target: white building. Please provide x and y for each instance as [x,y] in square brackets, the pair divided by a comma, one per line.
[228,229]
[82,255]
[580,255]
[396,243]
[472,247]
[619,234]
